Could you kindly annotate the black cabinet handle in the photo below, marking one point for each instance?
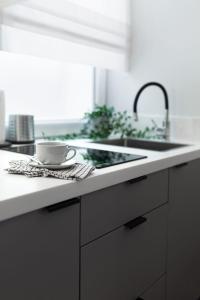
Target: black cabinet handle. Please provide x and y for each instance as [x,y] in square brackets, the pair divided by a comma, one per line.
[140,298]
[137,179]
[135,223]
[61,205]
[181,165]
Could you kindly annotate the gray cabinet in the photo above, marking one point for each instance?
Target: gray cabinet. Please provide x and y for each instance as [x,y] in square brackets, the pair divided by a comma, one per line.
[183,268]
[127,261]
[156,292]
[108,209]
[39,255]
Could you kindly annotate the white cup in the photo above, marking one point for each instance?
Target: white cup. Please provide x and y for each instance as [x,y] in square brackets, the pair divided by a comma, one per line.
[53,153]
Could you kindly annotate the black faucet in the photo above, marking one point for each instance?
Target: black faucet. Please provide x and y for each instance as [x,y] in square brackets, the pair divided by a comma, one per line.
[166,122]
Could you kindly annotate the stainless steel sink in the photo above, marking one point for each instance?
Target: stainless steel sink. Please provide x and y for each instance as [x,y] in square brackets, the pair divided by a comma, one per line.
[141,144]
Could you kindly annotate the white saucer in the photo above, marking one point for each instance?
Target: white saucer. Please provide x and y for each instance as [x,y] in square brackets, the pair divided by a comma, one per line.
[65,165]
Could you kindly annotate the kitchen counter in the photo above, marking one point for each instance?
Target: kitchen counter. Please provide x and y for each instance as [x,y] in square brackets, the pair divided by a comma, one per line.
[19,194]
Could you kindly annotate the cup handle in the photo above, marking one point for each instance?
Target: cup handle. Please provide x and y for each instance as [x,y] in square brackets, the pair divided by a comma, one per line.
[68,150]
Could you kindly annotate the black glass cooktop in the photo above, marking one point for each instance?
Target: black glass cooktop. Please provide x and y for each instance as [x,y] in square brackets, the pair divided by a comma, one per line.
[98,158]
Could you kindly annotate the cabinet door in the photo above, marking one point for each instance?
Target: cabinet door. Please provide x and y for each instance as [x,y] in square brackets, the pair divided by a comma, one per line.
[183,281]
[39,255]
[156,292]
[126,262]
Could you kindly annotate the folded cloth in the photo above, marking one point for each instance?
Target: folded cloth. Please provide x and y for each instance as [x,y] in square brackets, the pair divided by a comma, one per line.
[75,172]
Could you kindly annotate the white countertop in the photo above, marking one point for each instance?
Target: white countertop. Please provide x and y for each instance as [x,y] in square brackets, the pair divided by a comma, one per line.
[19,194]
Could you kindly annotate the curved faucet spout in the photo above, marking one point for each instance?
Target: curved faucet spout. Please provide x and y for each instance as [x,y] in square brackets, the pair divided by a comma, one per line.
[165,98]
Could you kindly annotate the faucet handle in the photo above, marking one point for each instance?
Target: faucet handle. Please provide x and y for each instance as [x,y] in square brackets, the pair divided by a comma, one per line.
[159,131]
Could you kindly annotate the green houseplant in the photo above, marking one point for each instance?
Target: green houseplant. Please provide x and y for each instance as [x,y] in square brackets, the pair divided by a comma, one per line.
[99,123]
[105,121]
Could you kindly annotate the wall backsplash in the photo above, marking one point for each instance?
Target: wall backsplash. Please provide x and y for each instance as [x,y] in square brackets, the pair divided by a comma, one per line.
[183,128]
[186,128]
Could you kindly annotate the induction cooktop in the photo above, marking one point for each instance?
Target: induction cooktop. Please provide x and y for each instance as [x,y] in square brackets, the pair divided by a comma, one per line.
[98,158]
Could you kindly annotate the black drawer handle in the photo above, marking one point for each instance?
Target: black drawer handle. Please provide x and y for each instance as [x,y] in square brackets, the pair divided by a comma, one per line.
[61,205]
[135,180]
[182,165]
[135,223]
[140,298]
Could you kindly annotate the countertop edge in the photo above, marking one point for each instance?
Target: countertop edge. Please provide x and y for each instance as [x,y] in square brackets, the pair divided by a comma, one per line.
[12,207]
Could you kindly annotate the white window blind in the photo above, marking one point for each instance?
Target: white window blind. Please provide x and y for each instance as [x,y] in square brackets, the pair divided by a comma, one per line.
[4,3]
[95,32]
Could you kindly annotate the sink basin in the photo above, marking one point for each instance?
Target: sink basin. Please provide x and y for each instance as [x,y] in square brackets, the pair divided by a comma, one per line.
[141,144]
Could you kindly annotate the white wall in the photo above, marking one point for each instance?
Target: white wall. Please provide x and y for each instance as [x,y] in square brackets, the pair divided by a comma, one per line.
[165,48]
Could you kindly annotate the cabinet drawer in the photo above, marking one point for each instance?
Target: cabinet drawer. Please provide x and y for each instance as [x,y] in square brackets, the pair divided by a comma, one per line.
[107,209]
[125,262]
[156,292]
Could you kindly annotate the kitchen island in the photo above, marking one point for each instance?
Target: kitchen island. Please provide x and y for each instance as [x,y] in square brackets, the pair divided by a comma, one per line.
[127,232]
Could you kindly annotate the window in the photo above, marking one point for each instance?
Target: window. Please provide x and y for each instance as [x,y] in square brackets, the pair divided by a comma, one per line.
[50,90]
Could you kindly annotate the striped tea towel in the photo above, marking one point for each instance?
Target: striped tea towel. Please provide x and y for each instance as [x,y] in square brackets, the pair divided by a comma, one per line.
[75,172]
